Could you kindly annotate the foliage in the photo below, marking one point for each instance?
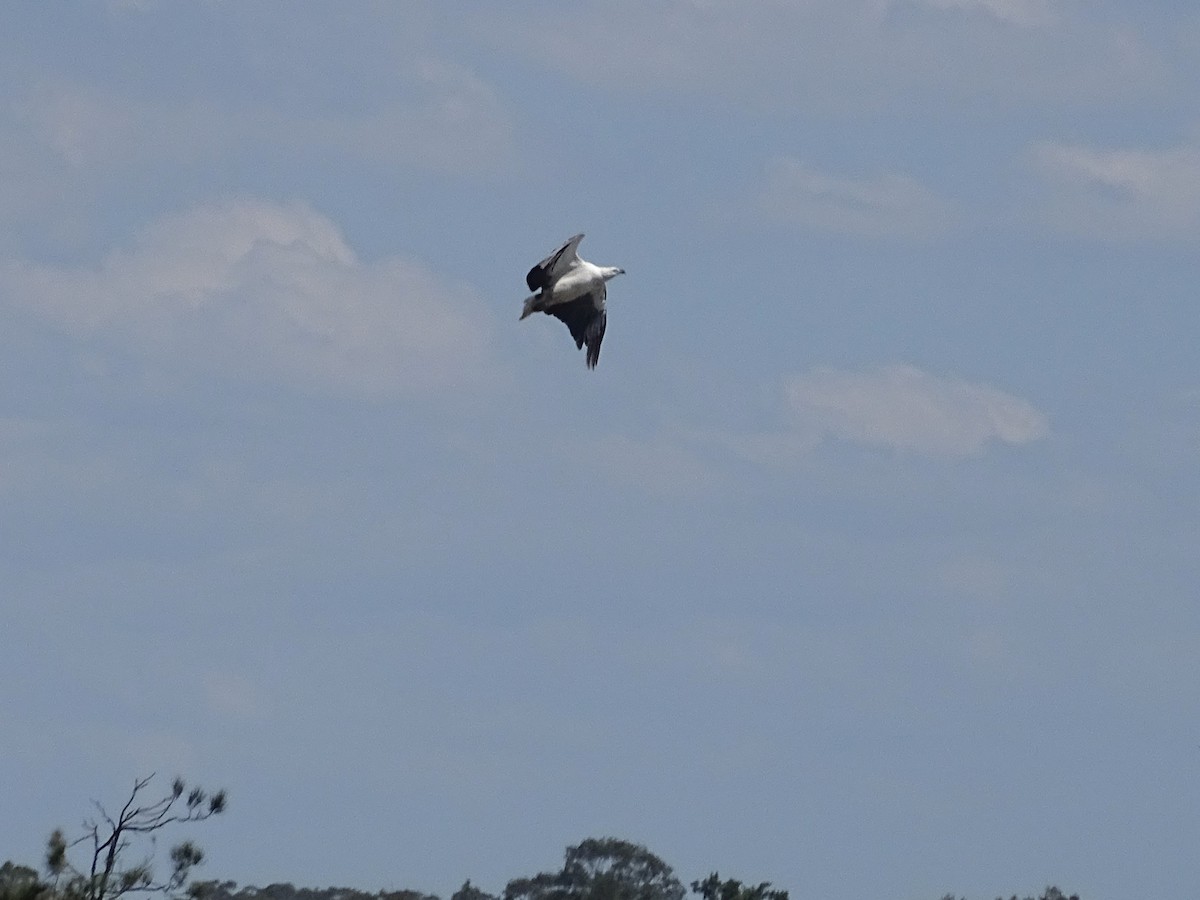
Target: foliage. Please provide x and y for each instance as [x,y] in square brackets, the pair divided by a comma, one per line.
[228,890]
[469,892]
[1050,893]
[602,869]
[713,888]
[108,842]
[21,883]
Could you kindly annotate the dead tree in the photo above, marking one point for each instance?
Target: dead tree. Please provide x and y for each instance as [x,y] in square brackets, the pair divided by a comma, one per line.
[109,841]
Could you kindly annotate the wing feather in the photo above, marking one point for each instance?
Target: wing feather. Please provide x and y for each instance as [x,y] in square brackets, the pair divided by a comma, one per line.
[586,319]
[554,264]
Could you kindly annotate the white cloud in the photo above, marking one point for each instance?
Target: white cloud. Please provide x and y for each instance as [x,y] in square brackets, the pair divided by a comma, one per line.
[906,409]
[257,289]
[1121,194]
[888,205]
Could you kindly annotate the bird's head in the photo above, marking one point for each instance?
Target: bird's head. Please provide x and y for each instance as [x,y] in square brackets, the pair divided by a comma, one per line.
[611,272]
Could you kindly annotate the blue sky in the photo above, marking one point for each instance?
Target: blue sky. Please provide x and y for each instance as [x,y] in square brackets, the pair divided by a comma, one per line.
[865,562]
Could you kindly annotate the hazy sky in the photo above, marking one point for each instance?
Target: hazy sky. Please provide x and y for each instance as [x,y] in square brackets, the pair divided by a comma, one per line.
[865,563]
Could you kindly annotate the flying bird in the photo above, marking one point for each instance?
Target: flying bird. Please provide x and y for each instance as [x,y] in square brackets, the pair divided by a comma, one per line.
[573,291]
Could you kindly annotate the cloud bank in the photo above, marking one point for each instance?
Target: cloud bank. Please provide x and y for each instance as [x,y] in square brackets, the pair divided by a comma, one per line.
[906,409]
[255,289]
[1122,193]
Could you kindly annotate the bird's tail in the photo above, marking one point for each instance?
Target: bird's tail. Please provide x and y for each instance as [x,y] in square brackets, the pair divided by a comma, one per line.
[530,306]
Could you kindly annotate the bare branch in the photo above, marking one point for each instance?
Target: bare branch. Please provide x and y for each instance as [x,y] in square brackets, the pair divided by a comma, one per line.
[107,877]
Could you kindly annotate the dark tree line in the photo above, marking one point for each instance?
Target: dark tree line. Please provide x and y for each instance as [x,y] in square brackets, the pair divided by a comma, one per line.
[228,890]
[114,855]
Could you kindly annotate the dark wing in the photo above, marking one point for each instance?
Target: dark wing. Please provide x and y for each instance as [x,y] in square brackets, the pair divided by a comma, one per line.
[586,318]
[548,267]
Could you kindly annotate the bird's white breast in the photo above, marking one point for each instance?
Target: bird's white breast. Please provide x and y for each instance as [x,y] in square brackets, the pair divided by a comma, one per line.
[579,280]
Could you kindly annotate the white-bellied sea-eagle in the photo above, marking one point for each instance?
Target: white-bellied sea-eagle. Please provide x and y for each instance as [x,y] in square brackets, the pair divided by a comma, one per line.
[572,290]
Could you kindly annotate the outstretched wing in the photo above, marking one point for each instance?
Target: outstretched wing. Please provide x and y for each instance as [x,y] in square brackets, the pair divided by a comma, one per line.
[554,264]
[586,319]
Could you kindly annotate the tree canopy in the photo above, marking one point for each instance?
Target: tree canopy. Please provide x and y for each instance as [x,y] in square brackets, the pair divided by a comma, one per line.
[21,883]
[713,888]
[602,869]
